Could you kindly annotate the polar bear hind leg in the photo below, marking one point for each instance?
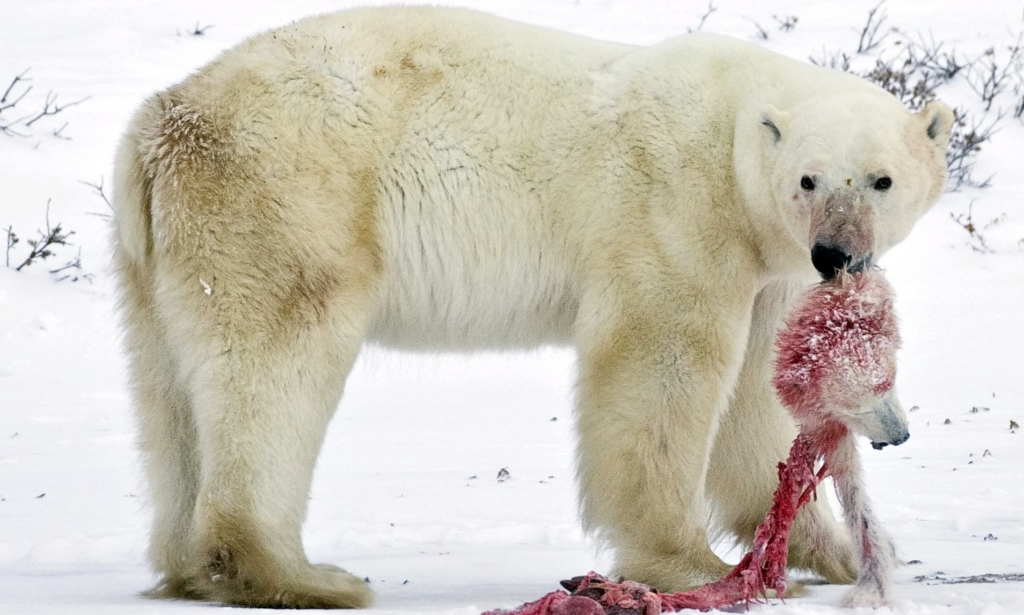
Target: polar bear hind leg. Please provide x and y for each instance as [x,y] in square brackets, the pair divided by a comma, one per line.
[261,417]
[246,304]
[167,434]
[162,406]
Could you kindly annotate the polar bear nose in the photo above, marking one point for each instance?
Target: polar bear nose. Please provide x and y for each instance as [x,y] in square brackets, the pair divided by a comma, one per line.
[829,260]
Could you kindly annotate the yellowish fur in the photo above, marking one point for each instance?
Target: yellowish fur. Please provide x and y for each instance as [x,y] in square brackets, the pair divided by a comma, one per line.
[442,179]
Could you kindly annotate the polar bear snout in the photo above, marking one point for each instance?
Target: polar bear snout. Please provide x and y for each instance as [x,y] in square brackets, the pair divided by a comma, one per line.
[886,423]
[842,233]
[829,260]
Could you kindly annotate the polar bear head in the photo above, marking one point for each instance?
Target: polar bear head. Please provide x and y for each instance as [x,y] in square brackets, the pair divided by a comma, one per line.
[851,173]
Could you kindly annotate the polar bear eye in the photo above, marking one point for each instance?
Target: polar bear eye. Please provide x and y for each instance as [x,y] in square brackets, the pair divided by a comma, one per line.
[807,183]
[883,183]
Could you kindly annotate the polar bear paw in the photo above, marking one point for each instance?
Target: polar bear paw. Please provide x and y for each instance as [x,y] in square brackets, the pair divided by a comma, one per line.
[266,585]
[870,596]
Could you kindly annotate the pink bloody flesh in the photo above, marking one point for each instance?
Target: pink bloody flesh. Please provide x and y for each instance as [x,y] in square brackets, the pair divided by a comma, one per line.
[838,347]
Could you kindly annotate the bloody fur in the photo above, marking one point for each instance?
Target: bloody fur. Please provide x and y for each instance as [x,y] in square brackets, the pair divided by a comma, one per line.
[837,351]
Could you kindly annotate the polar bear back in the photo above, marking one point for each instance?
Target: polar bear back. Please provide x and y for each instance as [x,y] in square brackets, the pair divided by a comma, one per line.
[500,165]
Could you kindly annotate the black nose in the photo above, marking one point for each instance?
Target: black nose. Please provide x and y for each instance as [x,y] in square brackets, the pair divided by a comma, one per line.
[829,261]
[880,445]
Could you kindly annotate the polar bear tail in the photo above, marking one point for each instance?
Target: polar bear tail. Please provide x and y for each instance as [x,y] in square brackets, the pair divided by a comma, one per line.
[133,183]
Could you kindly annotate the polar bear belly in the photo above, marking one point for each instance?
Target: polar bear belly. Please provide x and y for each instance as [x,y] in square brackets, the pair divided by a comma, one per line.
[471,259]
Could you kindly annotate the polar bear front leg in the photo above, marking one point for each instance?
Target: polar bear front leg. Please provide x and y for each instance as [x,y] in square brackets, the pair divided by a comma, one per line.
[654,379]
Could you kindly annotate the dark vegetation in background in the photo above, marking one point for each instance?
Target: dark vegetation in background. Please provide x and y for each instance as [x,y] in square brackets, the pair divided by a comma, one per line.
[910,67]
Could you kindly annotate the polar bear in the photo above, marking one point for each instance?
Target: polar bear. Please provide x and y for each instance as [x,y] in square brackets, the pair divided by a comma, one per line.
[441,179]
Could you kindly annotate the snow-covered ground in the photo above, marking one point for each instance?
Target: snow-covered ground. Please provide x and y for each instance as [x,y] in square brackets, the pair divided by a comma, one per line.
[406,490]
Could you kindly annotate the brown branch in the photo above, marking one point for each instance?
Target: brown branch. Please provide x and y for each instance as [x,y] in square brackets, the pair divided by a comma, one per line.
[14,82]
[868,40]
[711,9]
[98,188]
[41,247]
[51,99]
[12,240]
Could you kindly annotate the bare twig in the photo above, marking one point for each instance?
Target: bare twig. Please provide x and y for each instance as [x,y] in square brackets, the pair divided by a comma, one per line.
[12,240]
[7,130]
[977,241]
[989,79]
[3,99]
[995,221]
[786,22]
[41,247]
[10,99]
[928,56]
[1018,91]
[964,144]
[197,31]
[52,108]
[761,32]
[907,82]
[6,102]
[869,37]
[75,263]
[711,9]
[98,189]
[832,59]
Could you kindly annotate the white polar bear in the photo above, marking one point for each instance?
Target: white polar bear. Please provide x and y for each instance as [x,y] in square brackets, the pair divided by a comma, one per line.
[436,178]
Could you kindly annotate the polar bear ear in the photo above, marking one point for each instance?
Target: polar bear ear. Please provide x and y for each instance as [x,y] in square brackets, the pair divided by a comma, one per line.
[938,121]
[775,122]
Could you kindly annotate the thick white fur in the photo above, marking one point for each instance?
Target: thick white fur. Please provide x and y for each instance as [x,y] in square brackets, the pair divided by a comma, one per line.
[442,179]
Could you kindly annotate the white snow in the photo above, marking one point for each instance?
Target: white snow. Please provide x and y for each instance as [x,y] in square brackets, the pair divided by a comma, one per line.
[393,497]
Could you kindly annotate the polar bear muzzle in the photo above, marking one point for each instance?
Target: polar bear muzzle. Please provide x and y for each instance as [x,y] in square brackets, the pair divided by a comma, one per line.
[842,234]
[830,260]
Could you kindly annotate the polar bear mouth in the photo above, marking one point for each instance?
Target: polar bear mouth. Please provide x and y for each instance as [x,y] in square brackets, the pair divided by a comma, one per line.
[880,445]
[830,260]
